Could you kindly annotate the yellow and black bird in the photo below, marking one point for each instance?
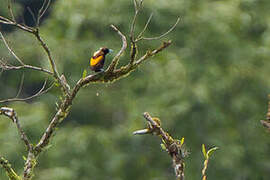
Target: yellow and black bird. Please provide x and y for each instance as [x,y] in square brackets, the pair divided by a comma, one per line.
[98,59]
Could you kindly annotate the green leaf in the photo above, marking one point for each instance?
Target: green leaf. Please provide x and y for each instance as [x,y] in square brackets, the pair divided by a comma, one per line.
[84,73]
[163,147]
[24,158]
[182,141]
[204,151]
[210,151]
[56,84]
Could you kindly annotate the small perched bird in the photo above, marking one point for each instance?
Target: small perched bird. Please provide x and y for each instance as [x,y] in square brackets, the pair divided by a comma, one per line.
[98,59]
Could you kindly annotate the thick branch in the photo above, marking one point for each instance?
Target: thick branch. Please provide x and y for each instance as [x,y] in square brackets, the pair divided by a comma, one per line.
[9,170]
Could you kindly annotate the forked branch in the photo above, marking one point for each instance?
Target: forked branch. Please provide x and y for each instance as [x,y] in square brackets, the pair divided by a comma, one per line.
[5,66]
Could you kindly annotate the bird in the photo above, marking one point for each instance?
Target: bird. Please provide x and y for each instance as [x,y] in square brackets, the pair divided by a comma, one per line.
[98,59]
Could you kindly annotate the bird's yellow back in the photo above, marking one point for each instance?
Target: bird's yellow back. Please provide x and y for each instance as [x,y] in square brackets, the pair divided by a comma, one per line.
[94,61]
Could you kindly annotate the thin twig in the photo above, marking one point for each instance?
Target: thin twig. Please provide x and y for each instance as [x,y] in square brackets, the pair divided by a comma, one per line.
[32,14]
[10,113]
[24,27]
[20,87]
[43,10]
[115,60]
[161,36]
[39,93]
[137,8]
[10,10]
[10,67]
[145,27]
[10,50]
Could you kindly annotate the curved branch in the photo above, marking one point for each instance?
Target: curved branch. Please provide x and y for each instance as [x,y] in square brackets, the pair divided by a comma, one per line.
[115,60]
[161,36]
[39,93]
[10,50]
[145,27]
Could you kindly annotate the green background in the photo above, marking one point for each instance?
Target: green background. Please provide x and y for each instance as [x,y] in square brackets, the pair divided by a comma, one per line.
[210,86]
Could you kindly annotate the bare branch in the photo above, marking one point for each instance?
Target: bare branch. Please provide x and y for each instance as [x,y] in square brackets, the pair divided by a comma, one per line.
[39,93]
[43,10]
[161,36]
[32,14]
[10,10]
[174,147]
[137,7]
[20,87]
[9,170]
[145,27]
[7,21]
[44,46]
[10,50]
[10,113]
[115,60]
[10,67]
[52,62]
[133,52]
[132,27]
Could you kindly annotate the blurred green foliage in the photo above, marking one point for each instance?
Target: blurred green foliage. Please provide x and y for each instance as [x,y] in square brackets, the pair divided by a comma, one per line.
[210,87]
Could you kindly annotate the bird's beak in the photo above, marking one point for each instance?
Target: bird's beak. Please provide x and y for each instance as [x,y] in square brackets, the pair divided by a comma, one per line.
[110,50]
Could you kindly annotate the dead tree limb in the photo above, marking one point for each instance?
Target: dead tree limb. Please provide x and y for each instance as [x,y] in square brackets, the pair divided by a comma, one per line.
[174,147]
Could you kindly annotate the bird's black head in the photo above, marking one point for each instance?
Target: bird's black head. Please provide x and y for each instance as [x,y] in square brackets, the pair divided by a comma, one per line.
[106,50]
